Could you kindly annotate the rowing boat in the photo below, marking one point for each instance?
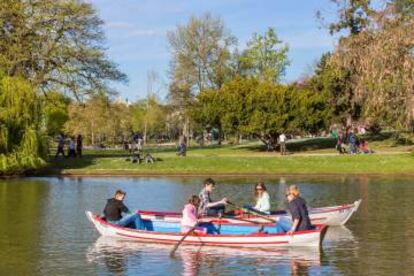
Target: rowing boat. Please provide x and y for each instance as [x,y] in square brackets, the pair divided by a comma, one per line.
[331,216]
[229,235]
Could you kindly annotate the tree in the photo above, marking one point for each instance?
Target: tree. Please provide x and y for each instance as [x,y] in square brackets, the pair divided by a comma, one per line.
[262,109]
[55,109]
[382,65]
[353,16]
[266,57]
[149,116]
[200,52]
[22,145]
[333,83]
[55,44]
[200,61]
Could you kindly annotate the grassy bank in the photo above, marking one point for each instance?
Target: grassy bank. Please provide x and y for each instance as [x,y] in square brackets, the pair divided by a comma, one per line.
[314,156]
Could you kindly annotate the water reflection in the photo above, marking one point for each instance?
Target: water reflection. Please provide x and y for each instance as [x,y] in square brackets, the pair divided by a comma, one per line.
[44,231]
[123,257]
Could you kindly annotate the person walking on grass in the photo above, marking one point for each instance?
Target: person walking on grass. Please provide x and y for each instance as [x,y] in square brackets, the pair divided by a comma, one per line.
[60,146]
[282,143]
[208,207]
[114,209]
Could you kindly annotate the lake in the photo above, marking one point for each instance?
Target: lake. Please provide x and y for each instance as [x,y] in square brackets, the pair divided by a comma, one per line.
[44,230]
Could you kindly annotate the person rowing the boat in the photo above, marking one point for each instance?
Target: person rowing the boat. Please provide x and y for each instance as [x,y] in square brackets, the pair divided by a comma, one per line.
[298,209]
[115,207]
[190,216]
[207,206]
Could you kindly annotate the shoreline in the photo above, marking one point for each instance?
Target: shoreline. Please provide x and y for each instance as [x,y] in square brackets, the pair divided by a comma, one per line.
[201,174]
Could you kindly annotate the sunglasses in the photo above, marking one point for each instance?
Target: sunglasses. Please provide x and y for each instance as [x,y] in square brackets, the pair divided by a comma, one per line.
[287,195]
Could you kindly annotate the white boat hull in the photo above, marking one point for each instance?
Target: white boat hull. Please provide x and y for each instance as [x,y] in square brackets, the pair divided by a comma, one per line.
[255,240]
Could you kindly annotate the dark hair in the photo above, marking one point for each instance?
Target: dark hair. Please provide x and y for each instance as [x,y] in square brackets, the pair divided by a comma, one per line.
[209,181]
[261,185]
[119,192]
[194,200]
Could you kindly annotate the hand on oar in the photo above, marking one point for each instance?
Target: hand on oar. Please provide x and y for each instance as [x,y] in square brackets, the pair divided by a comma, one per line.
[251,212]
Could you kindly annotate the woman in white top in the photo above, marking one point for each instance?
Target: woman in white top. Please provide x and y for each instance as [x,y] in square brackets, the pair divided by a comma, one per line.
[262,198]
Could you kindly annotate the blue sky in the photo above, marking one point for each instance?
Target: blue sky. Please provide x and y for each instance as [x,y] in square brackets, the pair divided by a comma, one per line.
[136,32]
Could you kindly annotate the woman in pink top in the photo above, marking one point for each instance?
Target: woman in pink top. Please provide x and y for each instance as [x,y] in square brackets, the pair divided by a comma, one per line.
[190,216]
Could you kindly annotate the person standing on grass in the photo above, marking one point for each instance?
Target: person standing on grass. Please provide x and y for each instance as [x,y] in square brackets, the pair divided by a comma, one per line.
[340,143]
[71,148]
[60,146]
[352,139]
[114,209]
[299,211]
[282,143]
[207,206]
[79,146]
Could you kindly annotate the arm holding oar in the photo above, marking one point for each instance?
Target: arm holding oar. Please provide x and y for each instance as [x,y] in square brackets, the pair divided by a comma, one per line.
[189,221]
[252,212]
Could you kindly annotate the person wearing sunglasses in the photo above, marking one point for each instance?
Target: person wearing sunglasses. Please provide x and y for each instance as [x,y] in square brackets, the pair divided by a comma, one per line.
[262,198]
[298,209]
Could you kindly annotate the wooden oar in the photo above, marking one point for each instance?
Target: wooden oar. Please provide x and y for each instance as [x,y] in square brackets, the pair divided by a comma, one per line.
[245,220]
[183,238]
[251,212]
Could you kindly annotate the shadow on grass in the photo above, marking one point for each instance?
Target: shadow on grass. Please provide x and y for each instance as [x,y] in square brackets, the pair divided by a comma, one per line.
[297,145]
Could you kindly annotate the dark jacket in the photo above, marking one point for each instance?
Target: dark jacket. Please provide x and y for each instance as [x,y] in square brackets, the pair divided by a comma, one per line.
[114,208]
[298,209]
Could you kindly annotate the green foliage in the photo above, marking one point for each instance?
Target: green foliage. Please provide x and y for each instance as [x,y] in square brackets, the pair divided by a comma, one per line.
[334,84]
[19,110]
[352,16]
[56,44]
[149,117]
[55,109]
[265,57]
[262,109]
[22,146]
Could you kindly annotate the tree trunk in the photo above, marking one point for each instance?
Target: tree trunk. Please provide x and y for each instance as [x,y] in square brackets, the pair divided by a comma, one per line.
[145,133]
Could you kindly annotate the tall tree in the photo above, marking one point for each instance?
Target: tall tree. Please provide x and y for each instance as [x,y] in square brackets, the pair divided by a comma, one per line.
[200,52]
[266,56]
[200,61]
[353,16]
[56,44]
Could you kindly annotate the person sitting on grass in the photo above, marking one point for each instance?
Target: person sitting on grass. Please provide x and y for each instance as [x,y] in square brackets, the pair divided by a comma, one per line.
[115,208]
[363,147]
[299,211]
[207,206]
[190,216]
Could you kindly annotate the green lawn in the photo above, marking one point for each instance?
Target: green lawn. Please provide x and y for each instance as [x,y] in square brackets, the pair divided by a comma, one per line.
[310,156]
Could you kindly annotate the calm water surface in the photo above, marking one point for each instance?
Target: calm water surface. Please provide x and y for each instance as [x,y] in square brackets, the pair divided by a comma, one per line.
[44,231]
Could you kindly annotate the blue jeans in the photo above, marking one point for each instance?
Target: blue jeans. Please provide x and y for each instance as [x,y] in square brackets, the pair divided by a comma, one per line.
[132,221]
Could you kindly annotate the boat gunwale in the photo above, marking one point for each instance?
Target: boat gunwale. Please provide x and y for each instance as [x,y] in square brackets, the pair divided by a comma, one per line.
[311,210]
[318,230]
